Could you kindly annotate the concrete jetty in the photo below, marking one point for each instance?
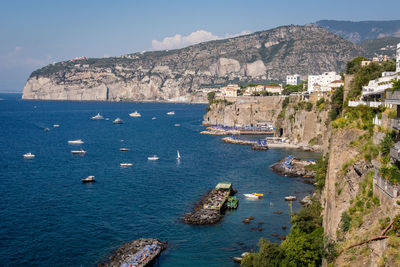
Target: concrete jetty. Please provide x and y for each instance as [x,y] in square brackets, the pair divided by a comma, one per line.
[210,208]
[293,167]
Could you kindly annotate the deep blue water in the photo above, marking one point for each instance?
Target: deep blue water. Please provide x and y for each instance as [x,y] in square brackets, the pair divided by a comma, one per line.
[49,218]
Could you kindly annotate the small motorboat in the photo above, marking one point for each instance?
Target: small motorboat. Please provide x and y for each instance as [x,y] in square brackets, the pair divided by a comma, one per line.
[290,198]
[124,149]
[75,142]
[89,179]
[107,119]
[178,157]
[56,125]
[46,129]
[78,152]
[232,203]
[154,157]
[118,121]
[177,125]
[171,113]
[97,117]
[254,195]
[126,164]
[135,114]
[29,155]
[154,118]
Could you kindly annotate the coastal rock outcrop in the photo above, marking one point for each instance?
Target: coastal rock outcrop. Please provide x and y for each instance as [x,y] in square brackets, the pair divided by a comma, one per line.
[293,167]
[176,75]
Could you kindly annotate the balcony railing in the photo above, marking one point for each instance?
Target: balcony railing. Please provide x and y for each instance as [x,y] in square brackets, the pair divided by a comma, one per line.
[391,190]
[392,97]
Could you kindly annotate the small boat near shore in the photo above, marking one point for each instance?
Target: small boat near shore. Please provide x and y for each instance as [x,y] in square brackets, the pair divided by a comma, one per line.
[171,113]
[290,198]
[154,157]
[78,152]
[126,164]
[124,149]
[29,155]
[135,114]
[118,121]
[154,118]
[178,157]
[232,202]
[254,195]
[56,125]
[75,142]
[97,117]
[89,179]
[177,125]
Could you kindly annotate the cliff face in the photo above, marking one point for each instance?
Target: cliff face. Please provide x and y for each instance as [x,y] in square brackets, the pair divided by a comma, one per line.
[296,123]
[176,74]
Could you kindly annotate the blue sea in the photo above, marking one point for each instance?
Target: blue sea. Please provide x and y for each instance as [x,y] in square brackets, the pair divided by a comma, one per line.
[49,218]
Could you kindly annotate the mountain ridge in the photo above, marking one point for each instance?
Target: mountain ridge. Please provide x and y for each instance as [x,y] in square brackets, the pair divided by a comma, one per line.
[172,75]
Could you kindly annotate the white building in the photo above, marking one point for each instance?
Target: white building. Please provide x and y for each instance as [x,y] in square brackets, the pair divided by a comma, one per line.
[323,80]
[293,79]
[378,86]
[398,58]
[230,90]
[273,89]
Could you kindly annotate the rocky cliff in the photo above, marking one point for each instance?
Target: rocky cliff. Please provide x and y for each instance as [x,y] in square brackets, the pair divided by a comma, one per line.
[174,75]
[301,125]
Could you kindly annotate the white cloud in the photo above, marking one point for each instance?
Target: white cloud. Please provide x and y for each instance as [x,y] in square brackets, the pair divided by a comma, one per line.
[179,41]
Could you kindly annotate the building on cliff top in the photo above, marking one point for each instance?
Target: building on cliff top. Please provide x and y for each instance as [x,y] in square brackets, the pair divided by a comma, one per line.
[293,79]
[323,80]
[230,90]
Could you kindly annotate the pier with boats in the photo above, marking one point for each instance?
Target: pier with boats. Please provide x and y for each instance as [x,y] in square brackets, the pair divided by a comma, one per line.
[210,209]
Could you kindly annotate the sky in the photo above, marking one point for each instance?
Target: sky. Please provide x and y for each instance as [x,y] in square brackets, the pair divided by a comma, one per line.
[34,33]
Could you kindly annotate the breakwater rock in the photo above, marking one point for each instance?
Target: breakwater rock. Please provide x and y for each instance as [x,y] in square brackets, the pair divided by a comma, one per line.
[293,167]
[140,252]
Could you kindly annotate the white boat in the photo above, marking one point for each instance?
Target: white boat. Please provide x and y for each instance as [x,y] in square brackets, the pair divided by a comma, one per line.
[56,125]
[154,157]
[124,149]
[290,198]
[29,155]
[79,152]
[254,195]
[179,156]
[97,117]
[118,121]
[75,142]
[177,125]
[125,164]
[89,179]
[135,114]
[171,113]
[107,119]
[154,118]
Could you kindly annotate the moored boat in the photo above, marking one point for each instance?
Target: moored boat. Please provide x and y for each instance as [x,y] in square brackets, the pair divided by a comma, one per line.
[118,121]
[75,142]
[254,195]
[154,157]
[171,113]
[154,118]
[177,125]
[290,198]
[97,117]
[232,203]
[124,149]
[78,152]
[89,179]
[56,125]
[29,155]
[135,114]
[178,157]
[126,164]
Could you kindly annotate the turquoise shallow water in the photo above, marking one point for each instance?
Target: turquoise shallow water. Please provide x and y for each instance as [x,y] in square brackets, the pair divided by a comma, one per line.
[49,218]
